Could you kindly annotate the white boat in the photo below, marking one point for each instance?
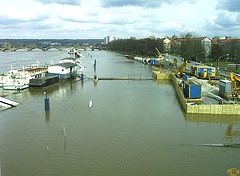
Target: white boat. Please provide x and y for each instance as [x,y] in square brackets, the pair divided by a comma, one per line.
[15,86]
[66,68]
[19,79]
[63,70]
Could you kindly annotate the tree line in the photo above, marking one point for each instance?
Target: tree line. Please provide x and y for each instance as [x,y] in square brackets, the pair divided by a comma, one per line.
[146,48]
[141,47]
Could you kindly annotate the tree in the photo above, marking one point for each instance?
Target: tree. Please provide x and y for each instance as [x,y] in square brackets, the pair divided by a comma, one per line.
[189,35]
[216,51]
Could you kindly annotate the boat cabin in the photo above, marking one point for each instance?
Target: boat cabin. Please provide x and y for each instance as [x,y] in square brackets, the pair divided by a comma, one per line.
[63,70]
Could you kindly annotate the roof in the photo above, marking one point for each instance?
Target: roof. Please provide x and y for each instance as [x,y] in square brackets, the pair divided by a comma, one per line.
[192,39]
[162,39]
[69,58]
[181,39]
[198,38]
[65,65]
[230,41]
[214,41]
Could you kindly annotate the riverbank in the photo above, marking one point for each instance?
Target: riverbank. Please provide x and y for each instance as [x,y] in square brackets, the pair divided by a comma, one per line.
[207,90]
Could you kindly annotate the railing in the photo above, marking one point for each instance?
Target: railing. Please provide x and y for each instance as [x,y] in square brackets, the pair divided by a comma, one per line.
[140,77]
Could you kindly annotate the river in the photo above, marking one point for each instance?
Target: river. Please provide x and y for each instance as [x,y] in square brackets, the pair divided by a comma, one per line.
[134,127]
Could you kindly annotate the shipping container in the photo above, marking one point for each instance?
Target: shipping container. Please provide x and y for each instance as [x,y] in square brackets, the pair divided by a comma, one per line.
[225,86]
[191,90]
[203,71]
[192,70]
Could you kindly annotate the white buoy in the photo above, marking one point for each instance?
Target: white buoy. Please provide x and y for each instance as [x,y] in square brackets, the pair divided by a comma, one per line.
[47,148]
[90,104]
[64,130]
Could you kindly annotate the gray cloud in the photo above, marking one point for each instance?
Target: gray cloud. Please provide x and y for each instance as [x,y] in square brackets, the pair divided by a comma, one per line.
[63,2]
[120,18]
[225,24]
[6,22]
[142,3]
[230,5]
[227,21]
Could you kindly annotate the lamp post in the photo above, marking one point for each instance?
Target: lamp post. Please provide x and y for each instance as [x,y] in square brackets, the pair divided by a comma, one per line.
[199,54]
[218,62]
[220,58]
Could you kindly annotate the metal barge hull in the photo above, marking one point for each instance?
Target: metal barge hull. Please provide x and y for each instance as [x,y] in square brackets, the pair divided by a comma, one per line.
[44,82]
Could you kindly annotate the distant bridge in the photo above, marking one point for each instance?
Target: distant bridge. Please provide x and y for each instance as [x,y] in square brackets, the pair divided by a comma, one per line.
[31,48]
[47,48]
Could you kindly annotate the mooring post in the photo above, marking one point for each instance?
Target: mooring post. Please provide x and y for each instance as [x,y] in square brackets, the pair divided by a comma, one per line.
[82,76]
[95,64]
[47,105]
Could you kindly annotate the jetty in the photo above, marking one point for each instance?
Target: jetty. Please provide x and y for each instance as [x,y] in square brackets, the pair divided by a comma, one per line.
[6,104]
[128,78]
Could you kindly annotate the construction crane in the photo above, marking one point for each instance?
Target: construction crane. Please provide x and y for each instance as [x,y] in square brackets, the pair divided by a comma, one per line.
[180,70]
[234,78]
[160,55]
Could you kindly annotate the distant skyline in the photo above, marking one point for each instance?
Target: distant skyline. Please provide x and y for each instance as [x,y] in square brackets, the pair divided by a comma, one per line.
[96,19]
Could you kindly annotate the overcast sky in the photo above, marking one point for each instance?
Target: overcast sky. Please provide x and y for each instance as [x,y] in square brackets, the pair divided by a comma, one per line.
[83,19]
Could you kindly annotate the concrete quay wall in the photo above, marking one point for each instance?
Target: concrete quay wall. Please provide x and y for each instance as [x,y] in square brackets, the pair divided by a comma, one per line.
[228,109]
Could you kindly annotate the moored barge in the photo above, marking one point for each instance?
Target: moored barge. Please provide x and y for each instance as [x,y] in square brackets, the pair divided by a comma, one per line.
[43,82]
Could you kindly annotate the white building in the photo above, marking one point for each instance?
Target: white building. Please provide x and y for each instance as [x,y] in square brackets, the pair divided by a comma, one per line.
[108,39]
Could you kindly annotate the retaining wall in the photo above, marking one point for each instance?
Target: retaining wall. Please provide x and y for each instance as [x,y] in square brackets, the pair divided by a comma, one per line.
[229,109]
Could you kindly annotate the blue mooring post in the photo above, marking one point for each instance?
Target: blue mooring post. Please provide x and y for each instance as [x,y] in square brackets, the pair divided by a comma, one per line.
[95,63]
[47,105]
[82,76]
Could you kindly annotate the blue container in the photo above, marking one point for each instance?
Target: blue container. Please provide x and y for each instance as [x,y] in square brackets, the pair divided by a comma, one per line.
[192,90]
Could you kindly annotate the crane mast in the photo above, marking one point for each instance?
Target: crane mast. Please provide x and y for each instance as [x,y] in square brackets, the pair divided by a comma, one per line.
[234,78]
[160,55]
